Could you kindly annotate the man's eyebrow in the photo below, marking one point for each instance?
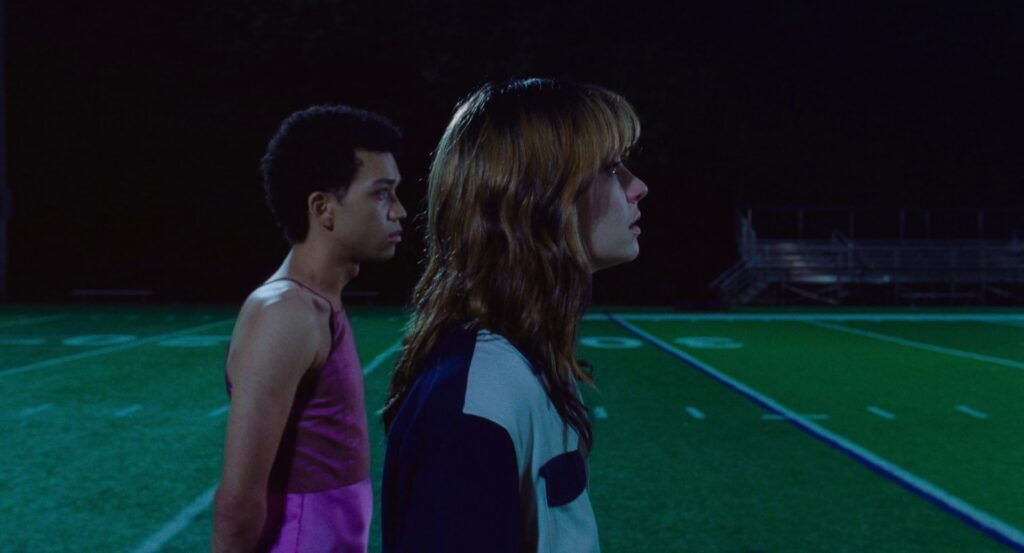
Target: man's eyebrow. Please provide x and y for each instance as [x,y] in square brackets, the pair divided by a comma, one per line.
[385,182]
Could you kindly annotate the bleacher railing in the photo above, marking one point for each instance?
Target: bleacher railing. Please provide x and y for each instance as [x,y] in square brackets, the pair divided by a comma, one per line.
[799,265]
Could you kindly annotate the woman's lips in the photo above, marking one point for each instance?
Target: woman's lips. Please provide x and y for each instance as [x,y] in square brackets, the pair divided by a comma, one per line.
[635,226]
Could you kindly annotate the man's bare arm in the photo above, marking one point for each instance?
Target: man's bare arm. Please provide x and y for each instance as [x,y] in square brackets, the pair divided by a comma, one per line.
[277,345]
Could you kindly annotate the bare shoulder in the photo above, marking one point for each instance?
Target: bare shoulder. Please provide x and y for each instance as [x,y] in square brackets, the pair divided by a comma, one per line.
[282,304]
[276,320]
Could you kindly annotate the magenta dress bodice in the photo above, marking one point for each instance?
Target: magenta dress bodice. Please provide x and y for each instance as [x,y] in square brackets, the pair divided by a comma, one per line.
[319,497]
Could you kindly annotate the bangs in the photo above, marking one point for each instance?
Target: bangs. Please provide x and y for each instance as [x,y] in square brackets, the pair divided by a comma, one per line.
[611,124]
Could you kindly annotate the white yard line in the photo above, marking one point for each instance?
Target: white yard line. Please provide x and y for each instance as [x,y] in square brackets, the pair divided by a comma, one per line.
[22,341]
[31,321]
[110,349]
[383,356]
[971,412]
[921,345]
[881,412]
[159,539]
[219,411]
[128,410]
[695,413]
[33,410]
[982,520]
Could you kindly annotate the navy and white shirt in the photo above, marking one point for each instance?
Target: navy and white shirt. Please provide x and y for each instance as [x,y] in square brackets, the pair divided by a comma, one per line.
[479,460]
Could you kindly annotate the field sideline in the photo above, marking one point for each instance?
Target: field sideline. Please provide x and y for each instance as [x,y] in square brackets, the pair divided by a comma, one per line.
[782,430]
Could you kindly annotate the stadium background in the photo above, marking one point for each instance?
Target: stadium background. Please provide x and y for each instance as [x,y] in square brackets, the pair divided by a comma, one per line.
[132,136]
[135,128]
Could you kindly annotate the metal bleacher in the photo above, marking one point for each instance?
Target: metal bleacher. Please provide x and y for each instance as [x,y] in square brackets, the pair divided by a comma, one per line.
[912,256]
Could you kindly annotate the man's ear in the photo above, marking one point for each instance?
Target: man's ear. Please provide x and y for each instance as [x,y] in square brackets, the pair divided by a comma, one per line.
[319,208]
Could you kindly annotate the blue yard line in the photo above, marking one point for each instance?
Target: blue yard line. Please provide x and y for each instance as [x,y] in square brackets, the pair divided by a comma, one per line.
[105,350]
[782,317]
[31,321]
[921,345]
[809,416]
[977,518]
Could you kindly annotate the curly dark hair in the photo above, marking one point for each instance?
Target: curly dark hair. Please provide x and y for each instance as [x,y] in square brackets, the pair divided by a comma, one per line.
[314,150]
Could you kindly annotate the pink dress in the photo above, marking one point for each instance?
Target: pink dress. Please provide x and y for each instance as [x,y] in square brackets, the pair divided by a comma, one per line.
[319,495]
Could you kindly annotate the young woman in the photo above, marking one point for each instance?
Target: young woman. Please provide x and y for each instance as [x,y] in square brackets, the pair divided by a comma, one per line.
[487,436]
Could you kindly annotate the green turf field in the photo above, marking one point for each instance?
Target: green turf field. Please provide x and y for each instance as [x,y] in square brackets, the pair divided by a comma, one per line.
[760,431]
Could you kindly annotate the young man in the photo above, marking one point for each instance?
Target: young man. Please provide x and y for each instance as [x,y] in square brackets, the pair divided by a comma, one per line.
[296,455]
[487,435]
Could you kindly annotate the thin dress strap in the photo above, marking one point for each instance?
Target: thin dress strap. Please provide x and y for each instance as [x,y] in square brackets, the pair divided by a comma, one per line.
[314,292]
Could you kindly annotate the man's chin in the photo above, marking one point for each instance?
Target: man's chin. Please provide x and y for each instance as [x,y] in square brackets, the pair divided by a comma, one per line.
[386,255]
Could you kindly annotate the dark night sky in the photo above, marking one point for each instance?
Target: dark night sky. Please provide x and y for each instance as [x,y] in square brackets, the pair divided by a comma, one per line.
[134,128]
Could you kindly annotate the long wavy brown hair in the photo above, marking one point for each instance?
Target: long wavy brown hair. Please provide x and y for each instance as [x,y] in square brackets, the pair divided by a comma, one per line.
[506,218]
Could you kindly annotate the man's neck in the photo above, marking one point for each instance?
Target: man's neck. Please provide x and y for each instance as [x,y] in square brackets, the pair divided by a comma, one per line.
[316,268]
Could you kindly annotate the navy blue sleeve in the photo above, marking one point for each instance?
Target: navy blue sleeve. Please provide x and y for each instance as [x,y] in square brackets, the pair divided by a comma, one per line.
[462,491]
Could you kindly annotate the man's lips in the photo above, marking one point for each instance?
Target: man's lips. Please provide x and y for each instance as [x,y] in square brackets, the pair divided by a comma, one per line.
[395,236]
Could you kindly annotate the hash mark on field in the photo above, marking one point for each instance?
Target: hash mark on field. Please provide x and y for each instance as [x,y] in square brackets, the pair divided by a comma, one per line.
[219,411]
[34,410]
[971,412]
[600,412]
[990,525]
[695,413]
[128,410]
[881,412]
[812,417]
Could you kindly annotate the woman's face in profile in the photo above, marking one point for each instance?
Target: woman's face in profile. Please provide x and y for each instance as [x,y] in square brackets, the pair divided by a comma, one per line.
[613,199]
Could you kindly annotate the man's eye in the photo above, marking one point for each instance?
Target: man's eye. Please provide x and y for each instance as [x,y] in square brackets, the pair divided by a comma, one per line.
[613,167]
